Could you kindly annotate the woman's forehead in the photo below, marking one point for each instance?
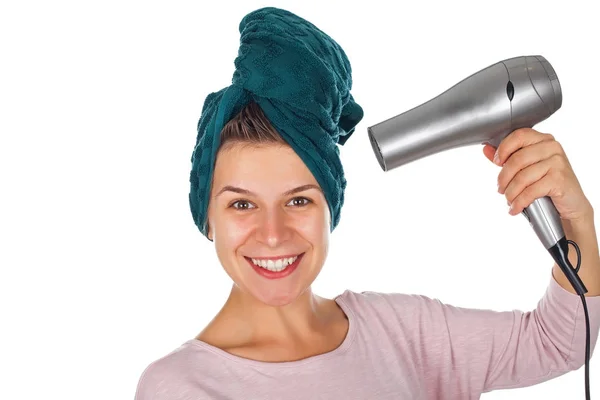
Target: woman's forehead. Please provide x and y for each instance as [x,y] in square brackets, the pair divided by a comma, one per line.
[274,164]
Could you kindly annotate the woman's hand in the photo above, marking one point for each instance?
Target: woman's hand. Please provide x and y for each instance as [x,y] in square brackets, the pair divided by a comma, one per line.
[534,165]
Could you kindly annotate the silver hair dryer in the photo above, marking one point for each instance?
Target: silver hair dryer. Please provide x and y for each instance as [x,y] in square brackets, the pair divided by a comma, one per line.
[483,108]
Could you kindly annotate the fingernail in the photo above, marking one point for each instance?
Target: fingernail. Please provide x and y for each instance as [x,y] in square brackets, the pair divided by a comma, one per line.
[496,159]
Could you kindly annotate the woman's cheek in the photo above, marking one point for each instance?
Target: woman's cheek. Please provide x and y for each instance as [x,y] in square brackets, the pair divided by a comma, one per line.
[240,226]
[312,224]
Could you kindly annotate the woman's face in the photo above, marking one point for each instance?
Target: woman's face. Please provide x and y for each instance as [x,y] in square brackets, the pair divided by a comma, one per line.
[254,216]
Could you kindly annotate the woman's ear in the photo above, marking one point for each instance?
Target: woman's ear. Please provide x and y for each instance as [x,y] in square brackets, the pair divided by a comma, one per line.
[208,232]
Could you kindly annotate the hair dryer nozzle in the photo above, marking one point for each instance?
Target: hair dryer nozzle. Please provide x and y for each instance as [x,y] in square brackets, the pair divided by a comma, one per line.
[376,149]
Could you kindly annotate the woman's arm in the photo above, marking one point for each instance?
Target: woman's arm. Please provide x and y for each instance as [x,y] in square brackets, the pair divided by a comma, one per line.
[544,343]
[463,352]
[481,350]
[460,353]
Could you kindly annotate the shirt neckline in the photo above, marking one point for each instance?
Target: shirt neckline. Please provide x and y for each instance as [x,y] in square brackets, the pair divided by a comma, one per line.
[342,348]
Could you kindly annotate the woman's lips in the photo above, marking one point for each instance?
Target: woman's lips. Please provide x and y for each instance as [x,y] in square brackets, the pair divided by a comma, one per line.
[275,274]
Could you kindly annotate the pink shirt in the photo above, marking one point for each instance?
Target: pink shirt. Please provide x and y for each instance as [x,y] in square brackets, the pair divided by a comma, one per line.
[398,346]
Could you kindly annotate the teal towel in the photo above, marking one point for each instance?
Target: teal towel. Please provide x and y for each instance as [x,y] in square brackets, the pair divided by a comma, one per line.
[301,78]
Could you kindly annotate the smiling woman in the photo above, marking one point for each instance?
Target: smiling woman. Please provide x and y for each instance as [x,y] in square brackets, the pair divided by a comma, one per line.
[266,188]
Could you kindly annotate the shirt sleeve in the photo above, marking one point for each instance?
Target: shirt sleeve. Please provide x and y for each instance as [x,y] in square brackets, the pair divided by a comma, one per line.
[477,351]
[145,388]
[463,352]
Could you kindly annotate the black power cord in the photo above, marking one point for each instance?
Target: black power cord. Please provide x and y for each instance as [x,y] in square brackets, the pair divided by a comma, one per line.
[560,254]
[587,327]
[587,349]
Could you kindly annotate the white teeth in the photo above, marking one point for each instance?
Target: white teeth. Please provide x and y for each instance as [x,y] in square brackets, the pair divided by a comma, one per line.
[274,265]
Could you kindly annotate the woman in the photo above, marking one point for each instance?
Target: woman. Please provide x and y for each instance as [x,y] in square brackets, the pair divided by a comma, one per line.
[267,187]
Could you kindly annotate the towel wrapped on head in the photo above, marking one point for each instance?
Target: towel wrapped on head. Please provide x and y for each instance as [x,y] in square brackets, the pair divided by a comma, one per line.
[301,79]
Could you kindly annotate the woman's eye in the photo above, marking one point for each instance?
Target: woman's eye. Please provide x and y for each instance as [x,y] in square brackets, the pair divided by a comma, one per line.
[303,201]
[244,205]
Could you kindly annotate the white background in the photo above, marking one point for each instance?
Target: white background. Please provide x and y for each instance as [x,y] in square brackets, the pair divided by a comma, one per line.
[104,271]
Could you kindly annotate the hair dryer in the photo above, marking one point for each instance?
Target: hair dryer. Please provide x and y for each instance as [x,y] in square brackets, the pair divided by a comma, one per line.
[483,109]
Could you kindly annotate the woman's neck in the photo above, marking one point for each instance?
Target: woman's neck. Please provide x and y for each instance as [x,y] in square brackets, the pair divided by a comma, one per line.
[249,328]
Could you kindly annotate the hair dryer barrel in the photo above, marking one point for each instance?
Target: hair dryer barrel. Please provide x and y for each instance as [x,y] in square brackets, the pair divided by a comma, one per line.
[483,108]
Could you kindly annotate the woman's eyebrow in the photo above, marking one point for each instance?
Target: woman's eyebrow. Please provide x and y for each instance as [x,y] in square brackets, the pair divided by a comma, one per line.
[229,188]
[302,189]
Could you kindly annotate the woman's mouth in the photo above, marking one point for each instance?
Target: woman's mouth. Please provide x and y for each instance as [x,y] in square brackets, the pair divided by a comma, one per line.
[275,268]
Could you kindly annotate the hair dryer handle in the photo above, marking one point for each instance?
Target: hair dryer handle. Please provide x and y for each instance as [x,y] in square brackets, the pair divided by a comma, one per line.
[545,221]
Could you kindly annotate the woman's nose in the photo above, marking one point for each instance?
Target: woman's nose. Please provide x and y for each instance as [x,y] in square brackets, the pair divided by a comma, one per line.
[274,228]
